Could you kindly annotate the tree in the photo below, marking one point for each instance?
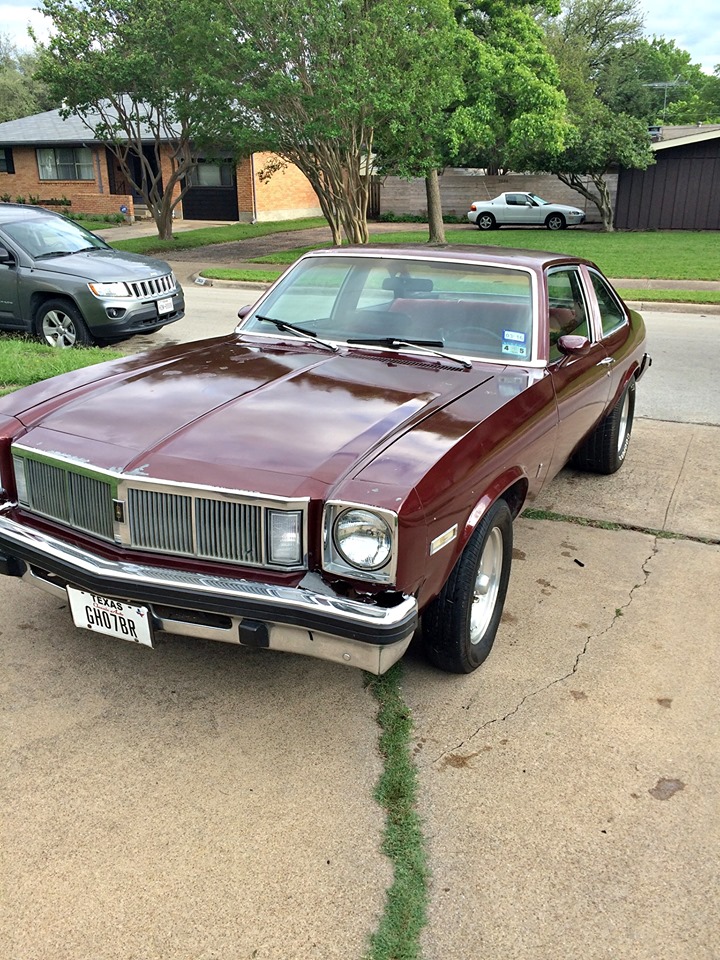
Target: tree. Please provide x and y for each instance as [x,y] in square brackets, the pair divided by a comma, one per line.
[21,93]
[134,72]
[508,99]
[315,80]
[585,41]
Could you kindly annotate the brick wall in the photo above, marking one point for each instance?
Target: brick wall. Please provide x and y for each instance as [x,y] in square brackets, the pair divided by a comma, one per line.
[87,196]
[286,195]
[459,188]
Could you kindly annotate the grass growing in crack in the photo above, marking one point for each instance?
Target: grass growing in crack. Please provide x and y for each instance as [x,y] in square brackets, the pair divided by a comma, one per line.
[533,514]
[398,934]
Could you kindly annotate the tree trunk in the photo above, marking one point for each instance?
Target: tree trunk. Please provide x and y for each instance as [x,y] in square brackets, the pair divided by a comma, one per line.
[601,200]
[434,206]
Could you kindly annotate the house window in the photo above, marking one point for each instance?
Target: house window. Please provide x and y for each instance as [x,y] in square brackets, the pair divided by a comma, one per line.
[213,174]
[65,163]
[6,160]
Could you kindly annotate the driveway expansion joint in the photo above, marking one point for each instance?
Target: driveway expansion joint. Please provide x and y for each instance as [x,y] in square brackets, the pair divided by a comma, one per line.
[619,612]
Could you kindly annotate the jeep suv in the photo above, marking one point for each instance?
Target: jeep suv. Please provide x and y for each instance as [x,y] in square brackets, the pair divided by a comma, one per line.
[68,287]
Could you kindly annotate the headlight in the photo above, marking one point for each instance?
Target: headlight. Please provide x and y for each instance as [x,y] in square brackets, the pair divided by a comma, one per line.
[285,537]
[362,539]
[116,289]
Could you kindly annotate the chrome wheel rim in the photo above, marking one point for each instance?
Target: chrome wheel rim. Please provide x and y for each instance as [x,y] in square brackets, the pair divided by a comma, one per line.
[59,329]
[624,420]
[487,585]
[485,223]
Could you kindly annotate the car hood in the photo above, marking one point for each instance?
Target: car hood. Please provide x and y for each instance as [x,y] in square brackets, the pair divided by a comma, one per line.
[105,265]
[279,419]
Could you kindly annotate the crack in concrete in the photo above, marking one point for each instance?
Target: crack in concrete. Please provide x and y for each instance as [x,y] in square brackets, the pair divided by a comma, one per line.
[677,481]
[619,612]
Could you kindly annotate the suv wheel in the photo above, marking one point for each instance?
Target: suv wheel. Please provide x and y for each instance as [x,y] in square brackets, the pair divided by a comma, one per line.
[60,324]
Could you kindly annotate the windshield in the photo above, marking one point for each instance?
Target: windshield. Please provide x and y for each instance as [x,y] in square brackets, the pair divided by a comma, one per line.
[538,200]
[468,309]
[52,237]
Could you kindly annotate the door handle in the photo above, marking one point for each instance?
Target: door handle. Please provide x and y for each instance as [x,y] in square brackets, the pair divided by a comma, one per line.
[606,362]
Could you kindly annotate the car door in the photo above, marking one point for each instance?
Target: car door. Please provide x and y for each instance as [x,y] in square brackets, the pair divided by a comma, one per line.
[9,289]
[581,383]
[517,209]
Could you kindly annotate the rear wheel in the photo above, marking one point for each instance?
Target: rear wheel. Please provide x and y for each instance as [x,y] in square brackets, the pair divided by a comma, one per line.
[605,449]
[459,626]
[485,221]
[60,324]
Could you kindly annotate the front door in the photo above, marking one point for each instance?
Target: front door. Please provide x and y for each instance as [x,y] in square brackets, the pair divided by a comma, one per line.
[582,384]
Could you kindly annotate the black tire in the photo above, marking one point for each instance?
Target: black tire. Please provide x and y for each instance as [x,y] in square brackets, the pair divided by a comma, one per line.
[604,451]
[485,221]
[555,221]
[59,323]
[459,626]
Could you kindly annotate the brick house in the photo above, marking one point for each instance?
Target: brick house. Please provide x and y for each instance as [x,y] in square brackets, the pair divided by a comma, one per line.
[46,159]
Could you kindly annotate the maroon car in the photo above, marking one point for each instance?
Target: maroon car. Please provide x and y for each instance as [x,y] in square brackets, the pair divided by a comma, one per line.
[348,461]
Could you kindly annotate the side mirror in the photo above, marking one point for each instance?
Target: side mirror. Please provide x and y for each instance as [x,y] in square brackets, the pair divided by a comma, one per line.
[6,256]
[244,311]
[572,345]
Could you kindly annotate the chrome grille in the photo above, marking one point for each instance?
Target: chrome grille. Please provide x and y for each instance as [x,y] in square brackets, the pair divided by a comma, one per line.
[73,498]
[153,287]
[160,521]
[184,523]
[228,530]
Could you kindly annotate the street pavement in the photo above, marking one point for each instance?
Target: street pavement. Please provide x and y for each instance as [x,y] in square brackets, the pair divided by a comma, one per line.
[205,802]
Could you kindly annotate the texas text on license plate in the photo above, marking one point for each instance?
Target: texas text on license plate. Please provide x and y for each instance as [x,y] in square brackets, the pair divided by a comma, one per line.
[165,306]
[112,617]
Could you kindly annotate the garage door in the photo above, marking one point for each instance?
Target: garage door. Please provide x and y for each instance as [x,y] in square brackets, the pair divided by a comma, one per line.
[213,192]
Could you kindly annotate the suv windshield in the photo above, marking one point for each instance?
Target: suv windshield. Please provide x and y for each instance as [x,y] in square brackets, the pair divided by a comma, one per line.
[470,309]
[52,236]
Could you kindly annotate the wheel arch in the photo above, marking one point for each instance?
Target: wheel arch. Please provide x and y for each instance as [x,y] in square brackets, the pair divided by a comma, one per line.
[39,297]
[511,486]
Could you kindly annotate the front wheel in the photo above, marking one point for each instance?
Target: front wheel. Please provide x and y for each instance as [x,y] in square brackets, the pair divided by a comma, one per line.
[605,449]
[60,324]
[459,626]
[556,221]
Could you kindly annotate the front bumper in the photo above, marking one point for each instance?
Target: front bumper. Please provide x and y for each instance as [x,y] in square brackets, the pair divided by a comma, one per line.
[120,318]
[309,620]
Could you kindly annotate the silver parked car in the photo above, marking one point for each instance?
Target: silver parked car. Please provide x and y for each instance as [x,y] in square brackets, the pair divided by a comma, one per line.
[68,287]
[523,210]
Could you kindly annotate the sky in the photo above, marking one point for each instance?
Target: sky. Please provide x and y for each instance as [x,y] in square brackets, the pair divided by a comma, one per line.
[698,33]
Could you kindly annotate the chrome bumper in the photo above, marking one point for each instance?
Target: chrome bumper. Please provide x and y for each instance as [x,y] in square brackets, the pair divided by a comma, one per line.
[309,619]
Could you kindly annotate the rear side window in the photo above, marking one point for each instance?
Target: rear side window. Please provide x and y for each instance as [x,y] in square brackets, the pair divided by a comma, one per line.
[611,313]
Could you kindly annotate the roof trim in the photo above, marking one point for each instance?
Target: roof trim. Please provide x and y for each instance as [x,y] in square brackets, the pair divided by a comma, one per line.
[683,141]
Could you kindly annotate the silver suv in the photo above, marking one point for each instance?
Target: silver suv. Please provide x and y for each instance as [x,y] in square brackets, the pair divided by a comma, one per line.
[68,287]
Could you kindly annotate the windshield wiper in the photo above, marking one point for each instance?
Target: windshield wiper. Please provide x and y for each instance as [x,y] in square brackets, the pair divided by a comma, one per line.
[301,331]
[425,346]
[55,253]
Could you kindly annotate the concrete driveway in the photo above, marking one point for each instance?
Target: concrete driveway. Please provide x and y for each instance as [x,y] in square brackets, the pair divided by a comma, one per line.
[202,802]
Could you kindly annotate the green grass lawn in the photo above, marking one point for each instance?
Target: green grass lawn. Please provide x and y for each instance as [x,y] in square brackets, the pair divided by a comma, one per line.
[207,236]
[677,255]
[23,362]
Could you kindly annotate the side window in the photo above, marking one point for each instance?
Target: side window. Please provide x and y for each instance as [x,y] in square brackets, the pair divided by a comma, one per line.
[611,313]
[6,160]
[567,312]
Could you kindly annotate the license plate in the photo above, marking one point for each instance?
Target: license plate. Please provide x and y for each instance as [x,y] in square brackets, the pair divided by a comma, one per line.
[165,306]
[111,617]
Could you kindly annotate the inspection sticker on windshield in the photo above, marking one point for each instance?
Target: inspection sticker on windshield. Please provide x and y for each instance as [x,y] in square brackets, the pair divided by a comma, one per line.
[514,343]
[111,617]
